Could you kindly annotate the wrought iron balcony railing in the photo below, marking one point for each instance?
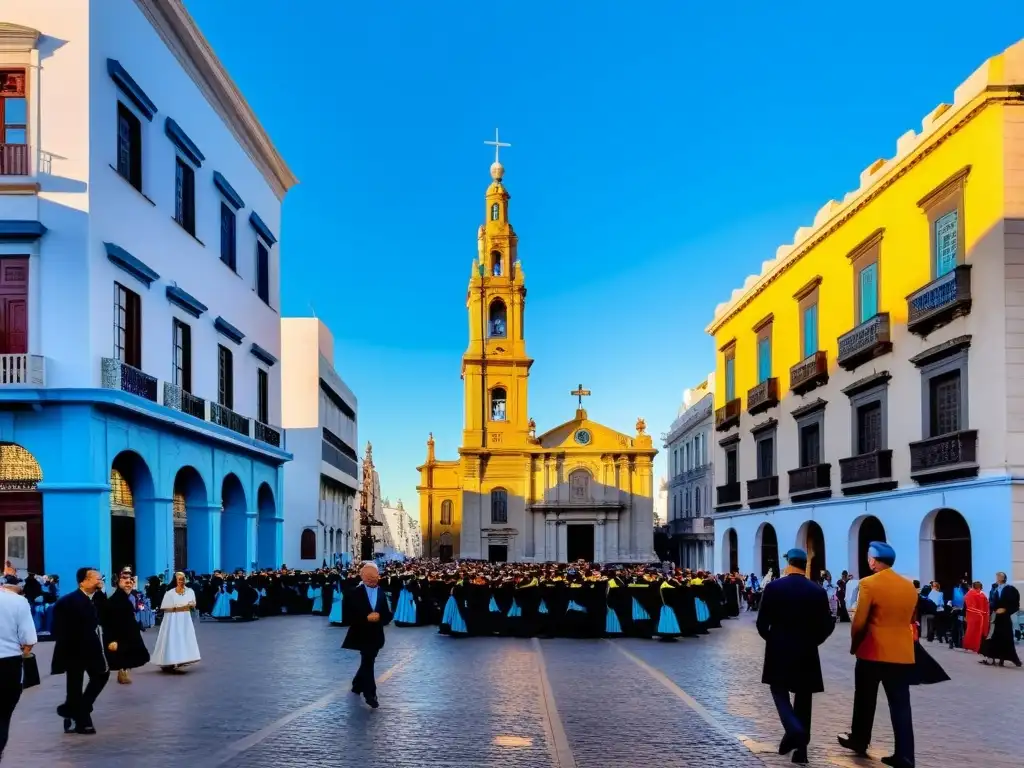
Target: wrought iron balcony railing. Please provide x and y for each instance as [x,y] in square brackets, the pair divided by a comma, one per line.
[728,416]
[809,373]
[865,342]
[762,397]
[763,489]
[181,400]
[814,479]
[940,302]
[728,494]
[225,417]
[115,374]
[866,472]
[267,434]
[936,458]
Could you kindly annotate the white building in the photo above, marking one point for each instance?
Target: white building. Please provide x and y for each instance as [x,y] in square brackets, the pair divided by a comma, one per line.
[402,532]
[690,478]
[139,220]
[319,416]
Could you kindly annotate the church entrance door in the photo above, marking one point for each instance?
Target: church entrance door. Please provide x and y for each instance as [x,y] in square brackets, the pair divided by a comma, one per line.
[497,553]
[579,542]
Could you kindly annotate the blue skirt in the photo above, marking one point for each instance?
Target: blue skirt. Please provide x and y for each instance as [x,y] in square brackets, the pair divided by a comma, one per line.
[335,617]
[574,606]
[515,611]
[222,606]
[493,607]
[543,607]
[639,612]
[317,597]
[458,623]
[450,609]
[703,612]
[668,624]
[612,626]
[406,613]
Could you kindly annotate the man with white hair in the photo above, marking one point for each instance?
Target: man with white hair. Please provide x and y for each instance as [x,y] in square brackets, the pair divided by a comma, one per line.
[370,614]
[17,636]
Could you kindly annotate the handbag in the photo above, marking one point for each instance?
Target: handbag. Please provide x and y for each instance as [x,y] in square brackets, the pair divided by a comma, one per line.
[29,672]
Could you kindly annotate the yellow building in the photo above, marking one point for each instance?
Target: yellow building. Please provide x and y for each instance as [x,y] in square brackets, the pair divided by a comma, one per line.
[580,490]
[863,393]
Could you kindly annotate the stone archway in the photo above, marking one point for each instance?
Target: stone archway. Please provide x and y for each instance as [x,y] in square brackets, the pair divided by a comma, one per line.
[268,527]
[811,539]
[21,508]
[766,551]
[234,525]
[191,521]
[863,531]
[946,546]
[137,539]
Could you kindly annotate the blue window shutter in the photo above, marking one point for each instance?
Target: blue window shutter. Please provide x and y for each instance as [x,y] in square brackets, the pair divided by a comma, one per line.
[810,330]
[946,242]
[868,292]
[764,359]
[730,379]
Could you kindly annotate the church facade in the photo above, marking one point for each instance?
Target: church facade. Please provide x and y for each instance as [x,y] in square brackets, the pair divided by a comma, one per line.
[579,490]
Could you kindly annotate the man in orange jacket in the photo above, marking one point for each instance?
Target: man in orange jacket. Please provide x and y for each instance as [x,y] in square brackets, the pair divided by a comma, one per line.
[883,642]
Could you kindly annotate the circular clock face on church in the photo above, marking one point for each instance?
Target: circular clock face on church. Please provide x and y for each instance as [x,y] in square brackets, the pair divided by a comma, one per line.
[583,437]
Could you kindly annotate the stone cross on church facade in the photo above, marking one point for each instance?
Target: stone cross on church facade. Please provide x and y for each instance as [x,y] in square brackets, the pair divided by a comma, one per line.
[580,393]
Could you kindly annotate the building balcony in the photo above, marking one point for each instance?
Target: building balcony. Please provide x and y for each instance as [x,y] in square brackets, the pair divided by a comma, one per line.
[697,527]
[763,491]
[946,457]
[225,417]
[117,375]
[762,397]
[14,160]
[728,497]
[813,482]
[809,373]
[866,473]
[267,434]
[940,302]
[180,400]
[728,416]
[865,342]
[22,371]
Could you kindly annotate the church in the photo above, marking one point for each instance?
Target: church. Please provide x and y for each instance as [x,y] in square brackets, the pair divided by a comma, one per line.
[579,490]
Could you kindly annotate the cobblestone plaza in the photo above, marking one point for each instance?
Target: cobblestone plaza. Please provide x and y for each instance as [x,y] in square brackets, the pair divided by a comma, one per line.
[275,693]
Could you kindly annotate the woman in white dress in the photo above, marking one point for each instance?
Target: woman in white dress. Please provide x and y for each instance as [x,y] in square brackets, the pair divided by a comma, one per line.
[176,644]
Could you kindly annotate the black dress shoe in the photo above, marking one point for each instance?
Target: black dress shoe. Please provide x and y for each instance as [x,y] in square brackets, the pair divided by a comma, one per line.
[848,742]
[788,744]
[372,702]
[896,762]
[87,730]
[69,725]
[800,755]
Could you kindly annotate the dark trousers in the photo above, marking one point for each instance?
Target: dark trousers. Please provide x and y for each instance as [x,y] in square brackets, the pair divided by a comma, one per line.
[841,612]
[796,714]
[895,679]
[365,680]
[10,693]
[78,704]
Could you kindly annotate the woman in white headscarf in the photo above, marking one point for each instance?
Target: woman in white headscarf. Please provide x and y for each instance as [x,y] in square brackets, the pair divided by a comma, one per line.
[176,644]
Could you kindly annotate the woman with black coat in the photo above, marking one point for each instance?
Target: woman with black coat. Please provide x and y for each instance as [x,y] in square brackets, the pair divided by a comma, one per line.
[122,634]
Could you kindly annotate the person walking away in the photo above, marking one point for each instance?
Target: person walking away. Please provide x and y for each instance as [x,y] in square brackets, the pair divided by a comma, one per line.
[78,651]
[882,639]
[976,604]
[999,647]
[121,630]
[842,614]
[17,636]
[370,614]
[794,619]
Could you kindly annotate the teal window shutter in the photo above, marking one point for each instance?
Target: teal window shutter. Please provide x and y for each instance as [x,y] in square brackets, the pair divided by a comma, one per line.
[730,379]
[764,359]
[946,241]
[868,292]
[810,330]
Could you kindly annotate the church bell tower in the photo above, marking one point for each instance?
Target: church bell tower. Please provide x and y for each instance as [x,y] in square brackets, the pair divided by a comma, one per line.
[495,367]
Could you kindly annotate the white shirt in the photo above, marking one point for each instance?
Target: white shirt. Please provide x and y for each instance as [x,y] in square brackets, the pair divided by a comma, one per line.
[16,625]
[936,597]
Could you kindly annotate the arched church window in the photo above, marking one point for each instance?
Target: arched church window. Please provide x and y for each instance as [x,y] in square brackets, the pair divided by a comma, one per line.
[446,512]
[499,505]
[579,485]
[494,212]
[497,320]
[498,397]
[496,263]
[307,545]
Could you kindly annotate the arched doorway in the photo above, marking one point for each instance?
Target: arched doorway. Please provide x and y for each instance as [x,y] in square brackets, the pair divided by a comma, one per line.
[445,548]
[950,549]
[134,538]
[870,529]
[191,531]
[21,508]
[234,525]
[766,551]
[731,551]
[267,529]
[812,540]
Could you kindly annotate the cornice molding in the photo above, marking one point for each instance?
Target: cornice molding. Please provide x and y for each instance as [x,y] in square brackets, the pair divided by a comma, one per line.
[14,37]
[182,36]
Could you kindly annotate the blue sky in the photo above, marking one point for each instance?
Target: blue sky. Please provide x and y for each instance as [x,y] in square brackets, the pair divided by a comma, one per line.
[661,151]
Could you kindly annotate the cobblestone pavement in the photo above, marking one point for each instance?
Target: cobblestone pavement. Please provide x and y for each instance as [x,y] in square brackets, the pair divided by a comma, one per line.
[275,694]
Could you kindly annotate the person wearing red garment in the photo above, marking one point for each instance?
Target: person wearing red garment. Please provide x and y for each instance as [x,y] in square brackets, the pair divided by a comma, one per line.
[976,608]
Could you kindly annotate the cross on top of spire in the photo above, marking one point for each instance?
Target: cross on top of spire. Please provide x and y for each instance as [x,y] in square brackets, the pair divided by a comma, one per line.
[580,393]
[497,144]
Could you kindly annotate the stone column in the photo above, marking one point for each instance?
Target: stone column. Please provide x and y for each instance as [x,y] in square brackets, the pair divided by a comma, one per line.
[203,537]
[562,545]
[611,542]
[76,529]
[550,539]
[599,540]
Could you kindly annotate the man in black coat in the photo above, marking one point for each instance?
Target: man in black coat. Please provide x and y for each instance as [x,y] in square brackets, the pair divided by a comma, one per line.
[79,651]
[367,605]
[794,620]
[1000,646]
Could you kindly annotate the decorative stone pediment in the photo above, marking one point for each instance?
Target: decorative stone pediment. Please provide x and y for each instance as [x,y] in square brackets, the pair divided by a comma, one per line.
[14,37]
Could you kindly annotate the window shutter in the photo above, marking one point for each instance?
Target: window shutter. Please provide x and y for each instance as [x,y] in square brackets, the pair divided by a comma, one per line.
[810,330]
[868,292]
[764,359]
[946,239]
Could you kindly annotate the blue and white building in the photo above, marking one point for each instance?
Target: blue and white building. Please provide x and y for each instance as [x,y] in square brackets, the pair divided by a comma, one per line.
[139,297]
